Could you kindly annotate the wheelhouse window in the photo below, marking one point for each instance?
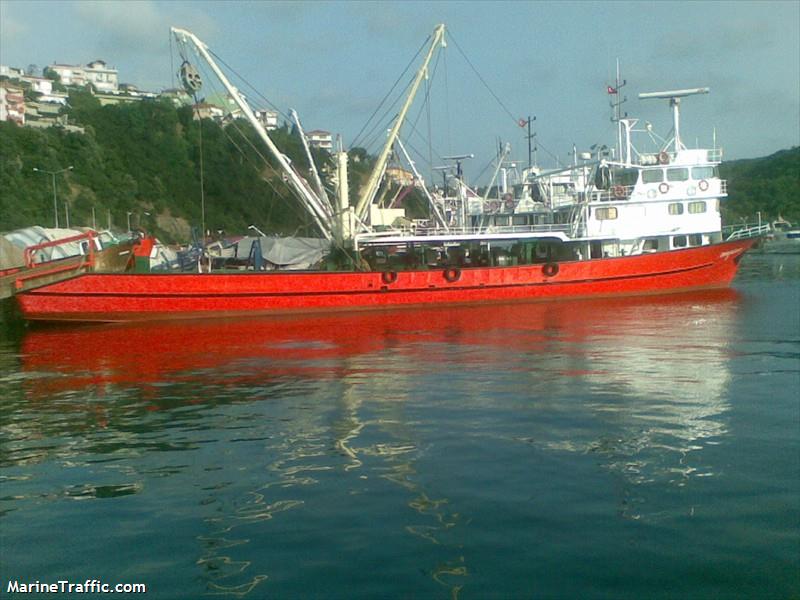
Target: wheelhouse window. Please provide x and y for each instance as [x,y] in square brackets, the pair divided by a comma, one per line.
[697,207]
[696,240]
[608,213]
[675,208]
[652,175]
[678,174]
[650,245]
[699,173]
[679,241]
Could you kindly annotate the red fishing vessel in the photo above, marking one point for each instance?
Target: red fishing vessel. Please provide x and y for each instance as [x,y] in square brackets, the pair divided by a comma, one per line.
[624,223]
[127,297]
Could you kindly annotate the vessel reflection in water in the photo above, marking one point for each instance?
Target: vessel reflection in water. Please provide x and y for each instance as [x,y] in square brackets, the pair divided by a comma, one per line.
[335,401]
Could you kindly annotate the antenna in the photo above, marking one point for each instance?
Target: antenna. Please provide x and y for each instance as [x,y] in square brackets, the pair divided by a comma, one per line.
[674,97]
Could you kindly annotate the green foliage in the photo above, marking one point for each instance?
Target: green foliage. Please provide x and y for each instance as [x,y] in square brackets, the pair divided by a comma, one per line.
[770,185]
[146,157]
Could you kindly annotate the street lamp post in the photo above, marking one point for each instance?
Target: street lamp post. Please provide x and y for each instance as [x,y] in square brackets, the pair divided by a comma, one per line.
[256,229]
[139,217]
[55,197]
[129,221]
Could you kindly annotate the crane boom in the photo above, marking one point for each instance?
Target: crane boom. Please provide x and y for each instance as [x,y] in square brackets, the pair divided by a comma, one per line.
[311,203]
[371,188]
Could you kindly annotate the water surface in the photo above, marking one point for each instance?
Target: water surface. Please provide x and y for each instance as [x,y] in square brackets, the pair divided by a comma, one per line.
[608,449]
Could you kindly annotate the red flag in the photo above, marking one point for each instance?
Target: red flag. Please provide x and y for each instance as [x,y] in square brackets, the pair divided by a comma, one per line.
[522,122]
[611,90]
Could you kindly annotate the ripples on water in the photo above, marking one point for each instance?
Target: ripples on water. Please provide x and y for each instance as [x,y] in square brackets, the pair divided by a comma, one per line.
[619,448]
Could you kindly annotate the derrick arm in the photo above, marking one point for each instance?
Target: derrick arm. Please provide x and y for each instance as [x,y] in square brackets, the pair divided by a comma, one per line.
[310,202]
[371,188]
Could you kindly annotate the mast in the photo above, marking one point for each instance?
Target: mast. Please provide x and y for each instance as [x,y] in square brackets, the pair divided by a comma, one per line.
[371,188]
[315,174]
[616,105]
[310,201]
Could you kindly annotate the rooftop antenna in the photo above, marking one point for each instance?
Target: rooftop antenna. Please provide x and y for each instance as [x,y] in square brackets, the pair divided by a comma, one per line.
[615,104]
[674,97]
[530,136]
[458,158]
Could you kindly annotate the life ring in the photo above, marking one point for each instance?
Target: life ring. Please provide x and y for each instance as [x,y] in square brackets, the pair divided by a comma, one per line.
[663,187]
[663,158]
[619,191]
[452,274]
[703,185]
[550,269]
[494,206]
[389,277]
[510,204]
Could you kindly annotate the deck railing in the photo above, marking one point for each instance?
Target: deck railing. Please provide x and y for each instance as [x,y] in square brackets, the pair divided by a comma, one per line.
[89,237]
[747,231]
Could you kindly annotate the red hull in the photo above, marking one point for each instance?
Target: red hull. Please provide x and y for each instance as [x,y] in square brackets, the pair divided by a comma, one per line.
[129,297]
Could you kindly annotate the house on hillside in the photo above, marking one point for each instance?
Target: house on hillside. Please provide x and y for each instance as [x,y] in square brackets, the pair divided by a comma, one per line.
[97,72]
[268,118]
[44,87]
[320,139]
[400,176]
[178,96]
[12,103]
[103,77]
[204,110]
[11,72]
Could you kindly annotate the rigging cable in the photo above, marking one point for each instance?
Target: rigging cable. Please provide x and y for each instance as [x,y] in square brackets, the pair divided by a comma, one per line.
[446,109]
[500,102]
[171,62]
[292,205]
[375,133]
[200,150]
[202,176]
[249,85]
[399,78]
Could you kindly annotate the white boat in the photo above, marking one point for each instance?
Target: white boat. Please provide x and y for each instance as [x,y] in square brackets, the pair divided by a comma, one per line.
[783,238]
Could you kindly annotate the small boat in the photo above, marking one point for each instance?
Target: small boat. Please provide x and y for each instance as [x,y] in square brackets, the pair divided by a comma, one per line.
[782,239]
[636,223]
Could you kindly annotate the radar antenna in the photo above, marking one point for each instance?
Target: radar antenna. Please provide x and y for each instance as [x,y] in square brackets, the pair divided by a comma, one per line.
[674,97]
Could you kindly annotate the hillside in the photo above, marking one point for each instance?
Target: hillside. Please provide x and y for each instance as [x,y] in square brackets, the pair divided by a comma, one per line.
[141,162]
[770,185]
[145,158]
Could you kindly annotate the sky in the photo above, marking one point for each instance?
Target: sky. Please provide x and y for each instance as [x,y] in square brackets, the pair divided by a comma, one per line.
[334,61]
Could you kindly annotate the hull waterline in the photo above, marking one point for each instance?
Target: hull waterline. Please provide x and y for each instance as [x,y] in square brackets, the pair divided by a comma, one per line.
[131,297]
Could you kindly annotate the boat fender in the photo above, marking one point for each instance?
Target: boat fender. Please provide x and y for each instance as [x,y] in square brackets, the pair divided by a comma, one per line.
[452,274]
[663,158]
[389,277]
[550,269]
[703,185]
[663,187]
[619,191]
